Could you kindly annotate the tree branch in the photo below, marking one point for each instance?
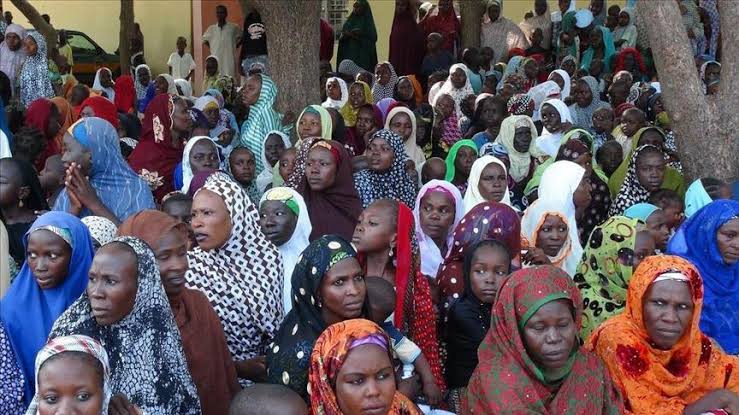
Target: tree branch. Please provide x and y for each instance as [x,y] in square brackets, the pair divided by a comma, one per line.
[38,22]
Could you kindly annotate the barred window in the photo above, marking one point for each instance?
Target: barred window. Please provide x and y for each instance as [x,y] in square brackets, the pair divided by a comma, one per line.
[335,12]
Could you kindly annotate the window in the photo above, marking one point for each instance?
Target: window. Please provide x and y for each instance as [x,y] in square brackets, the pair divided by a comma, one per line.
[335,12]
[80,44]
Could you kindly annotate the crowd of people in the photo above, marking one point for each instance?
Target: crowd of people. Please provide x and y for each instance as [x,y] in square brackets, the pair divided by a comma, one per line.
[503,229]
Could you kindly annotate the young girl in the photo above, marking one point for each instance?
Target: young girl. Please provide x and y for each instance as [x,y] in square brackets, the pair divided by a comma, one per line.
[459,163]
[242,165]
[447,127]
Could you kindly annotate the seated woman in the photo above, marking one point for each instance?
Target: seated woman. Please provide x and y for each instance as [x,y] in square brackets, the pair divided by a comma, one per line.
[97,106]
[557,121]
[402,121]
[531,360]
[385,237]
[359,94]
[249,304]
[704,191]
[709,239]
[351,370]
[99,181]
[488,182]
[126,309]
[486,264]
[322,175]
[518,135]
[284,220]
[655,220]
[549,236]
[314,121]
[488,220]
[259,94]
[337,93]
[368,121]
[43,115]
[459,163]
[208,359]
[611,255]
[438,210]
[587,100]
[657,355]
[200,153]
[275,144]
[327,287]
[386,177]
[59,252]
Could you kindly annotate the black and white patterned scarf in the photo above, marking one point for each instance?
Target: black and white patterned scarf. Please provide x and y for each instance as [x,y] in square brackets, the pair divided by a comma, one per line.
[147,361]
[632,192]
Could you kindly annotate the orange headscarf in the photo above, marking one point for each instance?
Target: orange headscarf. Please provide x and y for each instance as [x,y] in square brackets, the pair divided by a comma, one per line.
[66,118]
[662,381]
[329,354]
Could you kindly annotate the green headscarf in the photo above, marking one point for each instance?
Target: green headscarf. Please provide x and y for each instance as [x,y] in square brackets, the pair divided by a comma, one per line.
[326,124]
[452,156]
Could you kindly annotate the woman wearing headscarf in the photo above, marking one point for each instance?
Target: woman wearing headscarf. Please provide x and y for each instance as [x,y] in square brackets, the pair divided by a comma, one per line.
[603,49]
[624,35]
[390,182]
[288,357]
[385,81]
[587,100]
[34,76]
[142,82]
[457,86]
[102,230]
[500,33]
[612,253]
[188,170]
[522,152]
[704,191]
[491,181]
[557,120]
[44,116]
[337,93]
[435,243]
[671,365]
[405,36]
[412,150]
[104,184]
[208,358]
[333,209]
[559,75]
[144,345]
[492,220]
[292,248]
[304,124]
[358,37]
[706,241]
[166,126]
[11,59]
[28,297]
[262,116]
[332,349]
[539,94]
[514,377]
[359,95]
[103,84]
[458,163]
[271,171]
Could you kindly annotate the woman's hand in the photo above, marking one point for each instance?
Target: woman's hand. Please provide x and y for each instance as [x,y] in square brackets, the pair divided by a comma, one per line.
[432,393]
[119,405]
[536,256]
[410,387]
[80,186]
[254,369]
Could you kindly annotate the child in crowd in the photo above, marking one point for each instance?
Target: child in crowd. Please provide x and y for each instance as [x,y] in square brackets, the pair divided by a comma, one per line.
[603,125]
[612,20]
[447,126]
[177,205]
[437,58]
[433,169]
[673,205]
[609,156]
[268,399]
[52,178]
[381,296]
[181,64]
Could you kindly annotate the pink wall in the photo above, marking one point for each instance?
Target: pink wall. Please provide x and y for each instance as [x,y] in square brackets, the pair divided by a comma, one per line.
[204,15]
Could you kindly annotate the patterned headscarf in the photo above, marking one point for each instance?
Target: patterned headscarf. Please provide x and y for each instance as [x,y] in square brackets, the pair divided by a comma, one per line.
[654,380]
[141,89]
[262,119]
[249,304]
[74,343]
[144,347]
[394,183]
[34,77]
[605,270]
[583,116]
[457,94]
[385,91]
[508,380]
[520,104]
[101,229]
[330,352]
[631,192]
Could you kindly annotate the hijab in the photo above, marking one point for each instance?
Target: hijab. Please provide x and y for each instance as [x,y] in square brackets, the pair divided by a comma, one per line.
[184,88]
[141,89]
[290,251]
[550,142]
[101,229]
[520,162]
[121,190]
[695,198]
[103,108]
[266,177]
[336,103]
[457,94]
[412,150]
[97,85]
[25,298]
[451,158]
[583,116]
[631,191]
[34,76]
[379,91]
[262,119]
[361,50]
[326,123]
[654,380]
[533,219]
[431,255]
[348,112]
[566,78]
[541,93]
[609,50]
[12,61]
[394,183]
[695,241]
[472,196]
[507,380]
[187,172]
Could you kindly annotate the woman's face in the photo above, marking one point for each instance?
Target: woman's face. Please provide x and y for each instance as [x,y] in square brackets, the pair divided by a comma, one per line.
[342,292]
[375,230]
[489,265]
[13,41]
[365,120]
[657,226]
[381,155]
[668,310]
[557,78]
[181,121]
[212,114]
[273,149]
[53,125]
[552,234]
[309,125]
[623,19]
[650,170]
[172,260]
[582,195]
[203,155]
[106,79]
[596,39]
[277,221]
[112,284]
[333,89]
[161,85]
[30,45]
[550,334]
[211,66]
[436,215]
[405,90]
[402,126]
[727,239]
[68,384]
[583,94]
[144,76]
[48,257]
[445,105]
[365,382]
[602,120]
[320,169]
[73,152]
[550,118]
[287,163]
[463,163]
[243,166]
[211,221]
[382,74]
[251,91]
[643,247]
[458,78]
[522,139]
[356,96]
[493,184]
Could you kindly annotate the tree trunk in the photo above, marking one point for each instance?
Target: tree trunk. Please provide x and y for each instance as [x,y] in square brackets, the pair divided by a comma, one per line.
[293,41]
[38,23]
[705,125]
[471,12]
[124,42]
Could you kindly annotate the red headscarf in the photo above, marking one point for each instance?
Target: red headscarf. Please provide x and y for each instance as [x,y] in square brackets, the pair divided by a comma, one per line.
[621,57]
[37,116]
[103,108]
[125,94]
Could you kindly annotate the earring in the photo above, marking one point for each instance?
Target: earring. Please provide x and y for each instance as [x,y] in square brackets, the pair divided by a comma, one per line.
[20,203]
[390,254]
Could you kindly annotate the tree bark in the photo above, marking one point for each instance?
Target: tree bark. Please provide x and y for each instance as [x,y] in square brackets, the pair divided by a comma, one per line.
[124,42]
[704,125]
[293,40]
[471,12]
[38,23]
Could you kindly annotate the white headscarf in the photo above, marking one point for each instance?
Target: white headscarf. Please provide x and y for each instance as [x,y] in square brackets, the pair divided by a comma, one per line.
[566,78]
[187,173]
[291,250]
[549,142]
[458,95]
[472,196]
[265,177]
[171,86]
[98,86]
[431,257]
[569,255]
[542,92]
[336,103]
[185,87]
[412,150]
[12,61]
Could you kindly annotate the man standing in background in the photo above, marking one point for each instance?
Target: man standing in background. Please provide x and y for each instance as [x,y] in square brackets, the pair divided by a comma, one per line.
[222,38]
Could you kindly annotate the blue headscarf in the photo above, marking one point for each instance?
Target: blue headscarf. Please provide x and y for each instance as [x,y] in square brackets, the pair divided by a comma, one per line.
[118,187]
[27,311]
[640,211]
[695,198]
[696,242]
